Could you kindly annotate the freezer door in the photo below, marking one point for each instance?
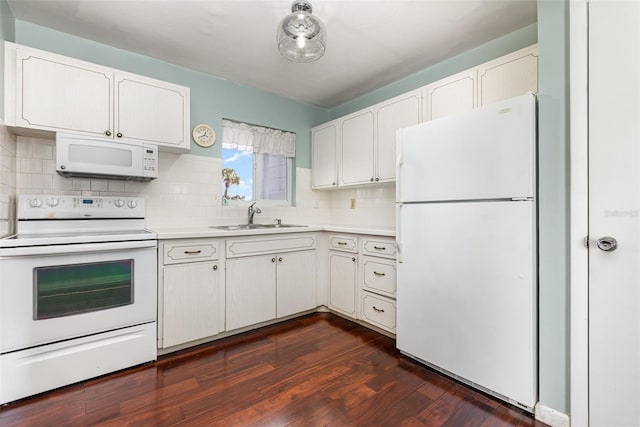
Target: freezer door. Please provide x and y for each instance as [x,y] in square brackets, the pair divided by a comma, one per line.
[487,153]
[466,297]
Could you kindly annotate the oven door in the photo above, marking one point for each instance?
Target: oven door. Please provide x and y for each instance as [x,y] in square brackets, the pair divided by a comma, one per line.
[54,293]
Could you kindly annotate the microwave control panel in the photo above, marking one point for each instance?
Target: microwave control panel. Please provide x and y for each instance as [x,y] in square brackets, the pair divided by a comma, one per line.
[150,161]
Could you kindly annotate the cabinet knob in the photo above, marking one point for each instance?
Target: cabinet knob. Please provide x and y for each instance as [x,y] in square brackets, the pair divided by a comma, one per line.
[108,133]
[273,260]
[371,179]
[333,183]
[280,259]
[377,179]
[119,134]
[353,259]
[215,267]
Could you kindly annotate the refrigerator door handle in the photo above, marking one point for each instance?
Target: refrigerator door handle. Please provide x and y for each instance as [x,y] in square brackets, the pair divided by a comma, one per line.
[398,232]
[399,161]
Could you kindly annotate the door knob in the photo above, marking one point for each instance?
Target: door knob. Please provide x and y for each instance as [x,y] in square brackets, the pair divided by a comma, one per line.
[607,243]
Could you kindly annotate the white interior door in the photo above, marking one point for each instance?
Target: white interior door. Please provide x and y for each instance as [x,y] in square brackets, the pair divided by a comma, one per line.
[614,185]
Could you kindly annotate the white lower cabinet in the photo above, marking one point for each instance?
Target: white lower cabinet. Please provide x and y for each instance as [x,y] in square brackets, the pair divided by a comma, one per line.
[296,283]
[269,278]
[191,302]
[251,290]
[343,282]
[379,311]
[204,291]
[190,291]
[378,283]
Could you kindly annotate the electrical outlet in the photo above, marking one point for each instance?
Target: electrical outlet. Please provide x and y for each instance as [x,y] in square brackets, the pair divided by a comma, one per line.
[353,203]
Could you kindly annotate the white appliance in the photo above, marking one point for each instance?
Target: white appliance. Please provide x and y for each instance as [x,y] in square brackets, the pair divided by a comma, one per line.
[83,156]
[466,232]
[78,292]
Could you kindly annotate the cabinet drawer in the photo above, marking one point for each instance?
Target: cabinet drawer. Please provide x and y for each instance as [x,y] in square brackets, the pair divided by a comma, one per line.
[180,252]
[270,245]
[343,243]
[379,311]
[379,276]
[379,247]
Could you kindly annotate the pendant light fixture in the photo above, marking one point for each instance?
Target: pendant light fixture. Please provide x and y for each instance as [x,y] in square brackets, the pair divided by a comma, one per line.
[301,37]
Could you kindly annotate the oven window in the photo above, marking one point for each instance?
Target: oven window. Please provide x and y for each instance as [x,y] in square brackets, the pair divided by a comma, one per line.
[80,288]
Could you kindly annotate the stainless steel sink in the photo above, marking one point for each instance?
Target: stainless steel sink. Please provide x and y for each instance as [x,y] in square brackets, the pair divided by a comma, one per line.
[253,226]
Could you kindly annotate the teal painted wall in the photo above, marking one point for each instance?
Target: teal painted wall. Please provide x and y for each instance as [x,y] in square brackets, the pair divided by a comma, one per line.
[553,202]
[212,98]
[495,48]
[7,22]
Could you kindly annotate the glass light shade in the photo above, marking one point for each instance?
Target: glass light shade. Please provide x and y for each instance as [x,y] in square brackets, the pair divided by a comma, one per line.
[301,37]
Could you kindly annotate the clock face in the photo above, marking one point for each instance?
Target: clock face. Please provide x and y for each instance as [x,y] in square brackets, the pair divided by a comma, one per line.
[204,135]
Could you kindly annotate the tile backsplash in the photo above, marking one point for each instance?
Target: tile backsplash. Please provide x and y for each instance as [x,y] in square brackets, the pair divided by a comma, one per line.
[187,192]
[7,181]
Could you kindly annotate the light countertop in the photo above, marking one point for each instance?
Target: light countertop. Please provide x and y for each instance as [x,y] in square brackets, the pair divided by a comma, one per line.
[203,232]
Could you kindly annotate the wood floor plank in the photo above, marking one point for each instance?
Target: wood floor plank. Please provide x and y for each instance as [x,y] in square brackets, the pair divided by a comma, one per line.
[317,370]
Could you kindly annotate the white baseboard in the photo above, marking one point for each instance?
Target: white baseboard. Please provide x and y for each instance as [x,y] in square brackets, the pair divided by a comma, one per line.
[551,416]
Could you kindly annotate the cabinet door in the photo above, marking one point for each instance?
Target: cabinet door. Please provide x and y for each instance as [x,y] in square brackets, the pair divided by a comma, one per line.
[250,290]
[296,282]
[398,113]
[61,94]
[191,302]
[324,167]
[342,283]
[357,151]
[151,111]
[451,95]
[508,76]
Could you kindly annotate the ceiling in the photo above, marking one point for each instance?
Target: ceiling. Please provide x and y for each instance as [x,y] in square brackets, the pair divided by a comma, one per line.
[369,43]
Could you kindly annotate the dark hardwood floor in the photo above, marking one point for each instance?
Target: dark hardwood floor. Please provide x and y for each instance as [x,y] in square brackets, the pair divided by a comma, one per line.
[318,370]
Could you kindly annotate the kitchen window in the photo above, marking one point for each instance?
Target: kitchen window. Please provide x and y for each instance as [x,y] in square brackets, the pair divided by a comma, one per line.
[256,164]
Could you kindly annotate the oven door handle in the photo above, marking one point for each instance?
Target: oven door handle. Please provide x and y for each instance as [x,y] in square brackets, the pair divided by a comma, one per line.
[81,248]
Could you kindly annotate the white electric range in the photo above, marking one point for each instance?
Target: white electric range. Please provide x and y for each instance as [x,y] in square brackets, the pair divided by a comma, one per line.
[78,291]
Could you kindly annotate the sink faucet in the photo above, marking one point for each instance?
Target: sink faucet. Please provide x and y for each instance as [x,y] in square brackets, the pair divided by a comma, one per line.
[252,212]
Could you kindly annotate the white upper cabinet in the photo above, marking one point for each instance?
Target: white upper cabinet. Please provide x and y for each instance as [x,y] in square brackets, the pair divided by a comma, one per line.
[51,92]
[54,93]
[508,76]
[452,95]
[392,115]
[365,140]
[151,111]
[324,169]
[357,149]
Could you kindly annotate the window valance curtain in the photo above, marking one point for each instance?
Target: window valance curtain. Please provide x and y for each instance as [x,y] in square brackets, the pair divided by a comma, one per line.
[258,139]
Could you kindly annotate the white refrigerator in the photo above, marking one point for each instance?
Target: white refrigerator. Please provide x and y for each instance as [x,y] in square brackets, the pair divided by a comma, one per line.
[467,235]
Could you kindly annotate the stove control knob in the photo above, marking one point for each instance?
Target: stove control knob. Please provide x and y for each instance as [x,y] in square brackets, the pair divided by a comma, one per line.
[35,203]
[53,202]
[119,203]
[132,204]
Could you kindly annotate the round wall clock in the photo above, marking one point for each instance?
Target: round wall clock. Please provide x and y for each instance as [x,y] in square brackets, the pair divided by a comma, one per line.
[204,135]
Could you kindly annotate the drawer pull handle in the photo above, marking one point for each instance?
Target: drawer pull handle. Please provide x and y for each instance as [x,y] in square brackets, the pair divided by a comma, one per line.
[379,310]
[192,252]
[342,243]
[380,248]
[379,274]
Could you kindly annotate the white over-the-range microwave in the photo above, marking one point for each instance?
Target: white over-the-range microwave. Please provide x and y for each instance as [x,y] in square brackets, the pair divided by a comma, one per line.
[93,157]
